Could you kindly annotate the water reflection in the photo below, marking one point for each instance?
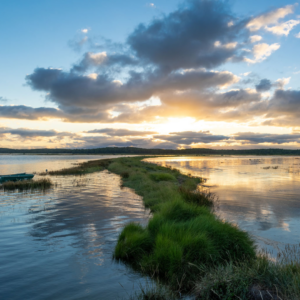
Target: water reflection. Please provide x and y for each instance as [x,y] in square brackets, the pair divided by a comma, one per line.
[260,194]
[59,244]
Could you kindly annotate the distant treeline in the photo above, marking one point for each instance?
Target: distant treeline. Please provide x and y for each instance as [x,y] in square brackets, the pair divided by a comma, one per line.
[142,151]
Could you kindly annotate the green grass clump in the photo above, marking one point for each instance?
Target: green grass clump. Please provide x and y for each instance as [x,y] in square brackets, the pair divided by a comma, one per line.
[161,176]
[260,279]
[183,231]
[41,184]
[197,197]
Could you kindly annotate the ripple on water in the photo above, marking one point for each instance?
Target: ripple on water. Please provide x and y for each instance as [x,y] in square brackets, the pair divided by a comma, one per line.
[59,244]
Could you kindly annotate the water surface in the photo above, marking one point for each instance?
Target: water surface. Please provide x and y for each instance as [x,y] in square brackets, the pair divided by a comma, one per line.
[261,194]
[59,244]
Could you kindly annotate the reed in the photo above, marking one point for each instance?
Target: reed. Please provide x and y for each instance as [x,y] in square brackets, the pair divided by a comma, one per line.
[83,168]
[41,184]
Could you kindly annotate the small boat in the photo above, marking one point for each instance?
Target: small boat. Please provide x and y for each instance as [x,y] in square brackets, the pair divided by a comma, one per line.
[16,177]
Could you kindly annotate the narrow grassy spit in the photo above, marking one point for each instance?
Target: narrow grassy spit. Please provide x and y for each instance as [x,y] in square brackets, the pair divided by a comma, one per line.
[40,184]
[183,232]
[187,246]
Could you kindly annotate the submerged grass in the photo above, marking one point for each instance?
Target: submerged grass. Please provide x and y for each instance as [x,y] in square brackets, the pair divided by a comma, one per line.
[41,184]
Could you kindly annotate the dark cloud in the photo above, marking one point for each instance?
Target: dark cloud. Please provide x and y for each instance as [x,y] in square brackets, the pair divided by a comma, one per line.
[264,85]
[73,92]
[29,113]
[33,133]
[121,132]
[186,37]
[191,137]
[259,138]
[102,60]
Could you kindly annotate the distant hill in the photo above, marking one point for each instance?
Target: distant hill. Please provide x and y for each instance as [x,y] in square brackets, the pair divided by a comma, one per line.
[143,151]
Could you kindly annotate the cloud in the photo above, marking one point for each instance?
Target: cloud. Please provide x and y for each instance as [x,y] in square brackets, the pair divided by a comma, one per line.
[264,85]
[255,38]
[33,133]
[121,132]
[259,138]
[262,51]
[283,28]
[191,137]
[186,37]
[2,99]
[85,30]
[281,82]
[101,59]
[29,113]
[297,35]
[152,5]
[172,58]
[269,18]
[79,94]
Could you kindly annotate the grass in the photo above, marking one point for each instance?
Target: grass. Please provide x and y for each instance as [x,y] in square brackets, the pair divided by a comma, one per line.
[187,246]
[41,184]
[262,279]
[183,231]
[81,169]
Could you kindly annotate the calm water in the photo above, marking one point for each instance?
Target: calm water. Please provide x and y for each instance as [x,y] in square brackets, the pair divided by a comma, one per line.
[58,244]
[260,194]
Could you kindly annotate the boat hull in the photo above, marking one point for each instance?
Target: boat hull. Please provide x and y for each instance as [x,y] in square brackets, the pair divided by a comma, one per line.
[15,177]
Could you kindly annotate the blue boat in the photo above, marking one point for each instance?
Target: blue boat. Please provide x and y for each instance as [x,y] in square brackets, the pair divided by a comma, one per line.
[15,177]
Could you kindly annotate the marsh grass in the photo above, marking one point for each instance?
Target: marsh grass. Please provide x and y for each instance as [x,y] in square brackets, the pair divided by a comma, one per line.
[261,279]
[183,230]
[41,184]
[153,291]
[187,247]
[83,168]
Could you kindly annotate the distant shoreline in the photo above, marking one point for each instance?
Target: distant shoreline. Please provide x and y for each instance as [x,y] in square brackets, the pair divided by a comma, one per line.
[143,151]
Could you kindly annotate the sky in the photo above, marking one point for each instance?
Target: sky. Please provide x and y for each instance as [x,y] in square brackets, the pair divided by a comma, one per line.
[168,74]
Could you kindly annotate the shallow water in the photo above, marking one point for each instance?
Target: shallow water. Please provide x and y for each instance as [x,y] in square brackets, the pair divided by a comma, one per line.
[59,244]
[260,194]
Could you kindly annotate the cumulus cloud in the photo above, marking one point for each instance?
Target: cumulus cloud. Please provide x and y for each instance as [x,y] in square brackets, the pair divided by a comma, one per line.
[75,93]
[297,35]
[264,85]
[262,51]
[270,18]
[255,38]
[283,28]
[281,82]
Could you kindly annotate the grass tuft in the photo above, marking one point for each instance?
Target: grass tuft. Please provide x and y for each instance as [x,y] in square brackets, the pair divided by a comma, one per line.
[41,184]
[161,177]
